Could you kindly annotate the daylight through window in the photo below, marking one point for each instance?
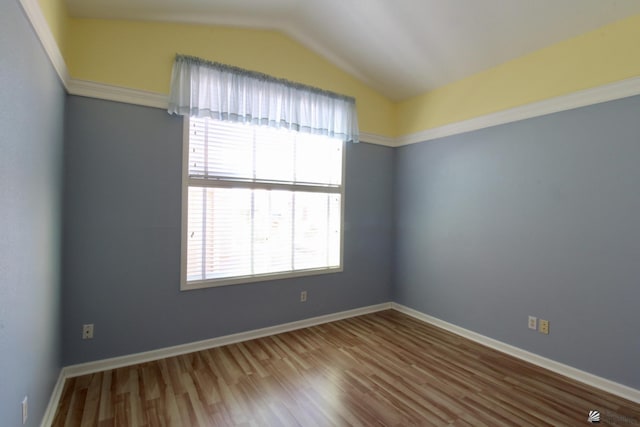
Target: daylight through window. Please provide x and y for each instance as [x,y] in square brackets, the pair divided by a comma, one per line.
[262,203]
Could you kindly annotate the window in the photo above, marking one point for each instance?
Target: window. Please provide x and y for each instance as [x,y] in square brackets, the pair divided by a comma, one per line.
[259,203]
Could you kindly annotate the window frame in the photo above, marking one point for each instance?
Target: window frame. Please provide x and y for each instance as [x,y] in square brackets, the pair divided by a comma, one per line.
[238,280]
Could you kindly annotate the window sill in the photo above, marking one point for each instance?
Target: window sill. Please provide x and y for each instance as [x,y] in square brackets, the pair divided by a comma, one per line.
[202,284]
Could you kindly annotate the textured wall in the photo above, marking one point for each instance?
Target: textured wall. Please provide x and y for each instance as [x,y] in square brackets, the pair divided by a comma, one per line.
[539,217]
[122,241]
[31,135]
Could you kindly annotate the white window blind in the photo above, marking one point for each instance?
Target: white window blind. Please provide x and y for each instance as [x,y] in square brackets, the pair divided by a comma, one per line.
[262,203]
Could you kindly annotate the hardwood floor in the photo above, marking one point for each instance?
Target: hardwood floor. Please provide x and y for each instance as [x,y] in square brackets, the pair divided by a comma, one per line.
[382,369]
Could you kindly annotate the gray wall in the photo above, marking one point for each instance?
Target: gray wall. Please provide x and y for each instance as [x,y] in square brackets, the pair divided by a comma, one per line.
[31,136]
[539,217]
[122,241]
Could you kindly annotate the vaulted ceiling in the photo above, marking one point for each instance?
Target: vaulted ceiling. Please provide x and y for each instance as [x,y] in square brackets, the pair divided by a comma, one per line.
[399,47]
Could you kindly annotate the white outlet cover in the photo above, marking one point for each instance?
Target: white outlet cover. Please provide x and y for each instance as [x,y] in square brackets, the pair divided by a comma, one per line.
[533,323]
[25,409]
[87,331]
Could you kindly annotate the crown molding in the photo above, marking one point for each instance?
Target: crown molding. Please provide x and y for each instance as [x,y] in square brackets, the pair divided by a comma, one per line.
[43,32]
[583,98]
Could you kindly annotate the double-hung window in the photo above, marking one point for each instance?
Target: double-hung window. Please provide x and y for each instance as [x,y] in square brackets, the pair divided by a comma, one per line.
[261,203]
[263,166]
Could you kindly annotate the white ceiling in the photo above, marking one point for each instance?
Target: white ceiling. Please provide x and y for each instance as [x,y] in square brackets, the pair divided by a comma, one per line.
[399,47]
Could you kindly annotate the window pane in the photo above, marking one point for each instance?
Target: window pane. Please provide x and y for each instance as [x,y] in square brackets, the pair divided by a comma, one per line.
[312,230]
[265,224]
[318,159]
[232,155]
[219,233]
[335,229]
[221,149]
[241,232]
[273,231]
[197,146]
[274,154]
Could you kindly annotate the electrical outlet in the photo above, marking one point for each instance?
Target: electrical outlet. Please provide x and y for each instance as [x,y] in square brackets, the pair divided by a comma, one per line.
[25,409]
[543,327]
[303,296]
[533,322]
[87,331]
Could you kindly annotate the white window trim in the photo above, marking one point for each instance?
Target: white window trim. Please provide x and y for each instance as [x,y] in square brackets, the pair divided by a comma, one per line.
[201,284]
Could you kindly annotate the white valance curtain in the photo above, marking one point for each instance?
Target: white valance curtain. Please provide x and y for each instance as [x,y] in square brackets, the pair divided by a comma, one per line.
[201,88]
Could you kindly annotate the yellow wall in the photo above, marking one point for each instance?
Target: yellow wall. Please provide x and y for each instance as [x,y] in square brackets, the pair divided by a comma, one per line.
[55,12]
[139,55]
[609,54]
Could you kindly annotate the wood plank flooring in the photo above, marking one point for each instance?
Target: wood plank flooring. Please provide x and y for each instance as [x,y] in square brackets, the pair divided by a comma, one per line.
[382,369]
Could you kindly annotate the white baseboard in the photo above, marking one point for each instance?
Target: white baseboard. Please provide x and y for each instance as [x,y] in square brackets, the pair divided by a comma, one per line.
[56,394]
[557,367]
[132,359]
[118,362]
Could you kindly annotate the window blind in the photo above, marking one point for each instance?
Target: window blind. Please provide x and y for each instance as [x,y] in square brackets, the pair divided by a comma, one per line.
[261,201]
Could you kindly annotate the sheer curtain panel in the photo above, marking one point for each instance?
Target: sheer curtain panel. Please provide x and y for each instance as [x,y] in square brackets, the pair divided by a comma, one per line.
[201,88]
